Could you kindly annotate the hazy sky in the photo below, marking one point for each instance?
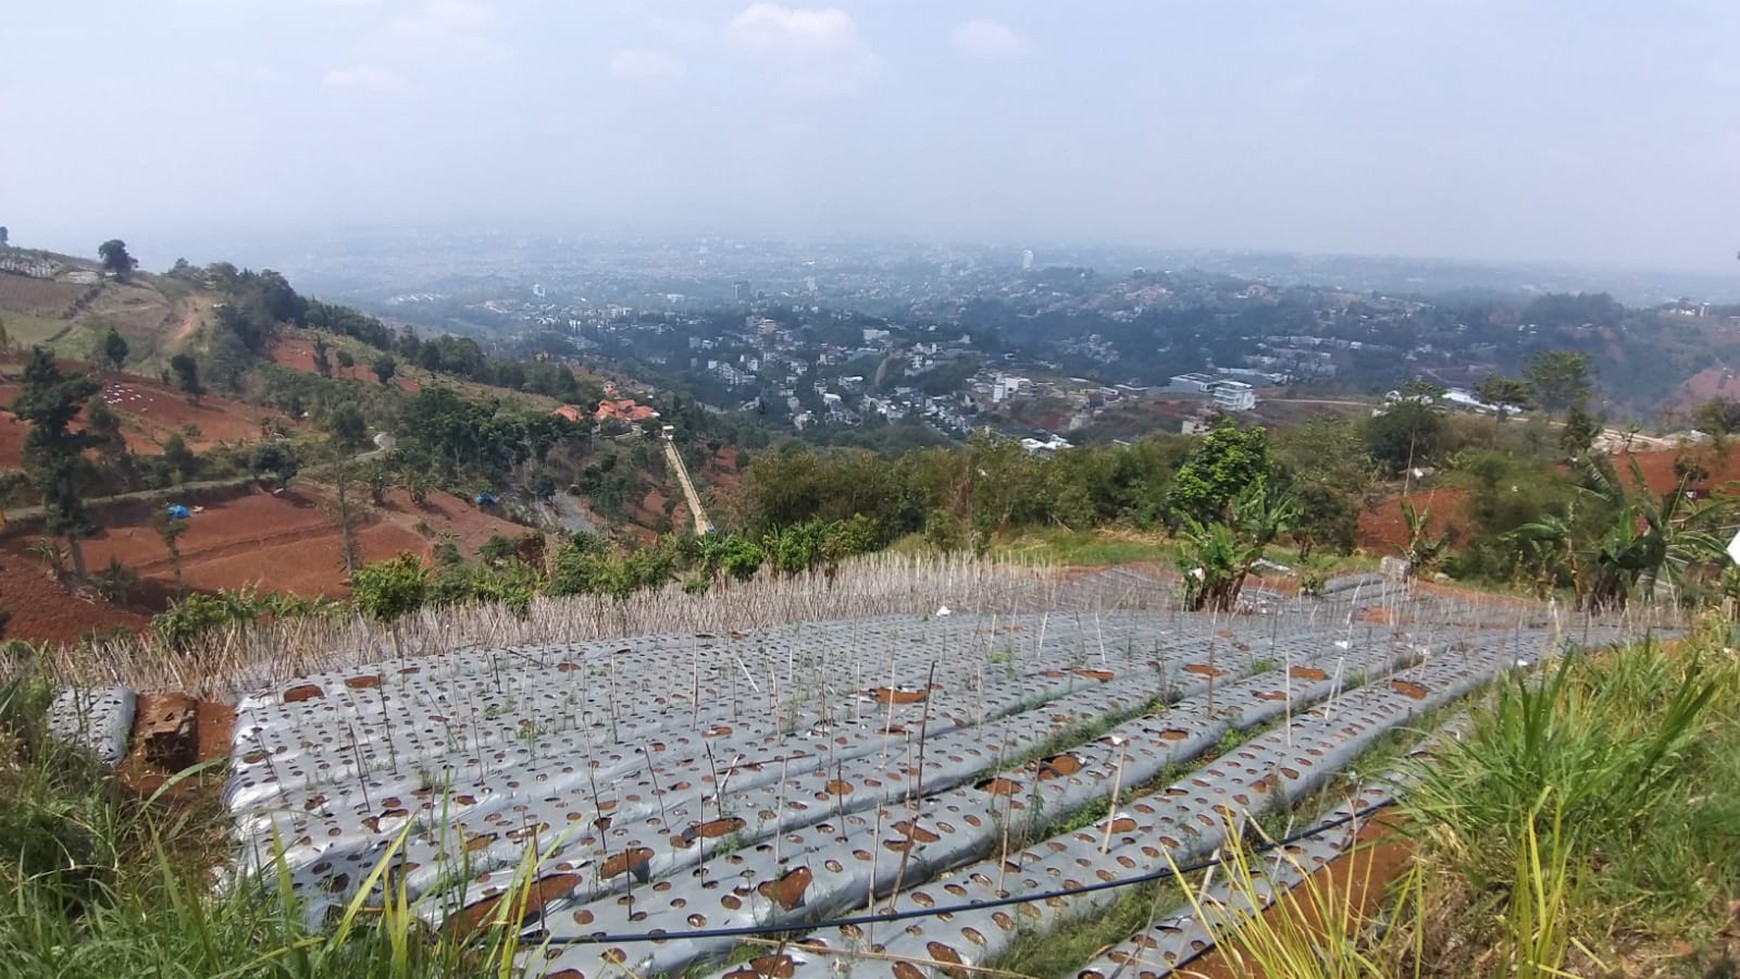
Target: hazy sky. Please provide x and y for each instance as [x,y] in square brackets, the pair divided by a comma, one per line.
[1577,129]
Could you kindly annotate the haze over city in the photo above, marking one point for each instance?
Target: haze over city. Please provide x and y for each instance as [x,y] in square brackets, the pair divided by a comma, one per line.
[1484,130]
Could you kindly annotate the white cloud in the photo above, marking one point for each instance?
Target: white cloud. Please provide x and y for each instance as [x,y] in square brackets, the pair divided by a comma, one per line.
[365,78]
[644,65]
[988,39]
[816,52]
[446,32]
[771,27]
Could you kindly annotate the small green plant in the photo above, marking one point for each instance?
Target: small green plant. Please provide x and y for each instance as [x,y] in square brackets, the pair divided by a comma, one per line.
[51,553]
[115,582]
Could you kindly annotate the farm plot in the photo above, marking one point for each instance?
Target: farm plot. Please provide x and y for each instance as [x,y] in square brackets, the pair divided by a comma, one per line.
[636,804]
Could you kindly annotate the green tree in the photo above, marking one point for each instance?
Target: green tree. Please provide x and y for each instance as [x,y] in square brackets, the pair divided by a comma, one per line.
[346,359]
[277,460]
[322,365]
[171,531]
[180,459]
[1423,389]
[50,400]
[385,368]
[114,349]
[379,480]
[543,485]
[390,590]
[1560,379]
[116,261]
[1406,435]
[347,426]
[1579,433]
[187,376]
[1717,417]
[1223,464]
[1503,393]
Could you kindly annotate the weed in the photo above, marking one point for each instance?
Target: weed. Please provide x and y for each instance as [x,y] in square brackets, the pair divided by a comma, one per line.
[1314,934]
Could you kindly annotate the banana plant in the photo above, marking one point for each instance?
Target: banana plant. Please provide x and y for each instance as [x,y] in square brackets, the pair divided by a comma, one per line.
[1218,556]
[1647,540]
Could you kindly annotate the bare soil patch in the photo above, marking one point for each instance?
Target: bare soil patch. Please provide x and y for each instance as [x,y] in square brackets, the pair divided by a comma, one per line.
[287,542]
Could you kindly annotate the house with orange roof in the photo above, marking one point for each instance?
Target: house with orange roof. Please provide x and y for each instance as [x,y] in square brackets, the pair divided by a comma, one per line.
[624,410]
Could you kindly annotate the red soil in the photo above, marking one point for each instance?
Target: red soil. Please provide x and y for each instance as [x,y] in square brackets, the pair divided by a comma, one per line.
[295,349]
[289,542]
[12,432]
[150,412]
[1385,530]
[45,610]
[1658,467]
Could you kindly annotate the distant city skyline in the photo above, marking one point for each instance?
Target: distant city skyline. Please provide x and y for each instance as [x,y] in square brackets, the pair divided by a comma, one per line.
[1473,130]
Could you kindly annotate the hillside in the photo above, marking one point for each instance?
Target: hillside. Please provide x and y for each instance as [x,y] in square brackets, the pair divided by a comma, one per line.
[284,377]
[242,538]
[150,412]
[66,303]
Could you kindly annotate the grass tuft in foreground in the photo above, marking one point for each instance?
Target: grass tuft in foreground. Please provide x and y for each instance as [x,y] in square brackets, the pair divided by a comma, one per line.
[1586,826]
[95,881]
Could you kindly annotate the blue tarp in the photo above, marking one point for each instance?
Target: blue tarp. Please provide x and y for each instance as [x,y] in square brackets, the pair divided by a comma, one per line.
[486,499]
[179,512]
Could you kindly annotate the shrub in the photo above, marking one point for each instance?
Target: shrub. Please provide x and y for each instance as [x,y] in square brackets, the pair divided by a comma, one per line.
[188,619]
[115,582]
[390,590]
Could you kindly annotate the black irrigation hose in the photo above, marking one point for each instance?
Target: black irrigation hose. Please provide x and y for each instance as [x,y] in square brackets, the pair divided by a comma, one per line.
[750,931]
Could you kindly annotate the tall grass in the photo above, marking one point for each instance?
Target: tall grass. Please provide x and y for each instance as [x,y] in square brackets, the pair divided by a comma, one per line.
[1585,807]
[1315,930]
[97,882]
[1604,743]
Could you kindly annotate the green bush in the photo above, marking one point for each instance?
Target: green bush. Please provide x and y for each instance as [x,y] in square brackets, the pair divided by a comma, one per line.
[193,616]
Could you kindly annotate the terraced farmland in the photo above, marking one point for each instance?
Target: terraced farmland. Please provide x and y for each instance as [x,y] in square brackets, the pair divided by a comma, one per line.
[910,793]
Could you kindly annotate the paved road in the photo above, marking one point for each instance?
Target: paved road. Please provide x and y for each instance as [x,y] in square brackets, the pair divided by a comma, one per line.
[702,524]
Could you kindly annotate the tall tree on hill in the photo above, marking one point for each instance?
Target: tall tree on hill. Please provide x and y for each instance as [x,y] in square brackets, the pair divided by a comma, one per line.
[276,459]
[187,376]
[1503,393]
[1560,379]
[116,261]
[5,236]
[115,349]
[322,364]
[50,401]
[385,368]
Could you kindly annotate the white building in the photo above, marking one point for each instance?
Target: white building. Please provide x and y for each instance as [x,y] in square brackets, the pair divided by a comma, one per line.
[1234,395]
[1006,386]
[1027,260]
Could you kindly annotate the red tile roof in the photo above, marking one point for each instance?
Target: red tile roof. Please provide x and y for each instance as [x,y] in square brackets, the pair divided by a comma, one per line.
[625,411]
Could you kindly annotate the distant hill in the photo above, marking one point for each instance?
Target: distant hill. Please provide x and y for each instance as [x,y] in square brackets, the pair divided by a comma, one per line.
[68,304]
